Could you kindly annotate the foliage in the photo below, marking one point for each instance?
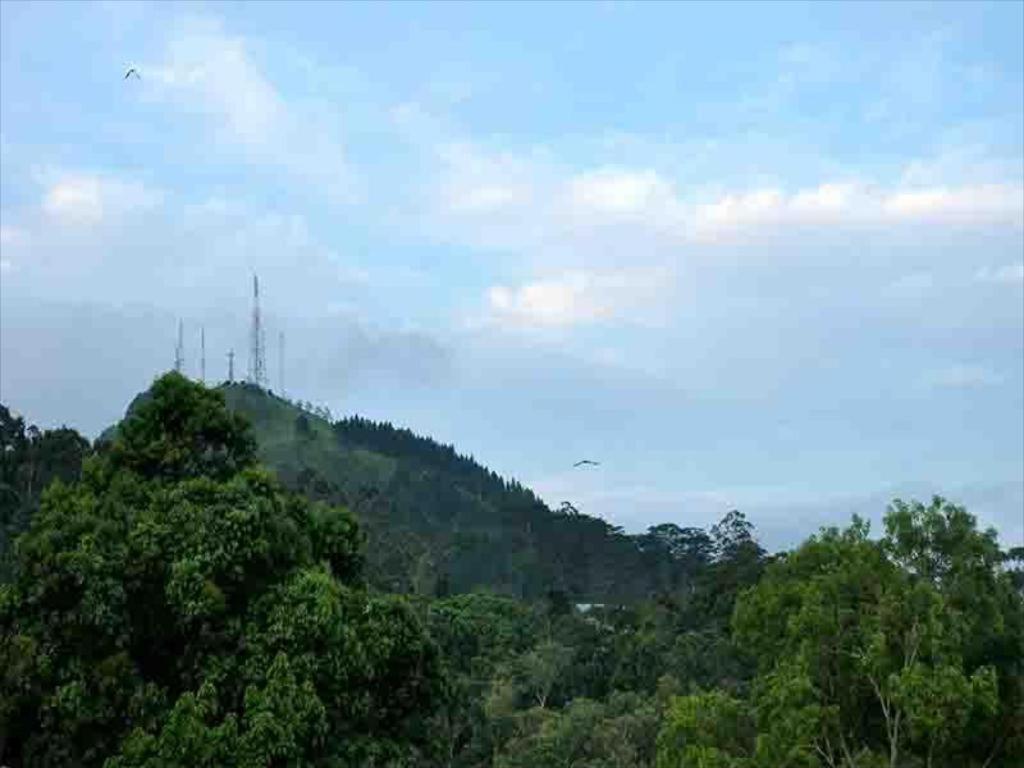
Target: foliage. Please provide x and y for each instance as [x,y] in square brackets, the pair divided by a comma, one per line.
[706,730]
[173,604]
[180,432]
[902,651]
[438,523]
[617,733]
[30,459]
[176,607]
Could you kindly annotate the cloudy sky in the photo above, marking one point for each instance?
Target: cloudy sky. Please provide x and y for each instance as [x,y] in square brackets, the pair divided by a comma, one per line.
[757,256]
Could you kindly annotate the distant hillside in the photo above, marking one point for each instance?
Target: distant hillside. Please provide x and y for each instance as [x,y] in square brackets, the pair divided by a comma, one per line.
[438,522]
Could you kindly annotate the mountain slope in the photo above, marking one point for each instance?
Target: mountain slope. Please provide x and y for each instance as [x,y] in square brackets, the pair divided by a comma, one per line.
[437,522]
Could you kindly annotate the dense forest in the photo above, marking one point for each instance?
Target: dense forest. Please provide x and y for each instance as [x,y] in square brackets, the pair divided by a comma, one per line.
[226,579]
[30,459]
[439,523]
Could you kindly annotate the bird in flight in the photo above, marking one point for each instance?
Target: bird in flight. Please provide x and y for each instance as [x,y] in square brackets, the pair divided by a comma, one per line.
[132,71]
[584,462]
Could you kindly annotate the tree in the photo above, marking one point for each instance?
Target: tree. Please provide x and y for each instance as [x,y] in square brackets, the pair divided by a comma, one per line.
[539,669]
[733,537]
[706,730]
[738,563]
[1013,562]
[30,459]
[939,544]
[870,651]
[686,551]
[176,607]
[477,633]
[586,733]
[182,431]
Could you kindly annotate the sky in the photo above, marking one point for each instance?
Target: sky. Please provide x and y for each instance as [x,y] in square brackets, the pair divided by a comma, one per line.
[757,256]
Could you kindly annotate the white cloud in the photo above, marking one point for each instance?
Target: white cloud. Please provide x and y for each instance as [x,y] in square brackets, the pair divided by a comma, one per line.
[216,71]
[76,200]
[964,158]
[963,376]
[470,173]
[619,191]
[577,297]
[560,232]
[214,74]
[824,200]
[1008,274]
[737,211]
[486,198]
[116,240]
[844,204]
[493,200]
[84,199]
[752,212]
[560,301]
[968,204]
[526,201]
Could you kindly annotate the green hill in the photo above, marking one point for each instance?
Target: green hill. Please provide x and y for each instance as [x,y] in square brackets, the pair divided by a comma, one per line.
[438,522]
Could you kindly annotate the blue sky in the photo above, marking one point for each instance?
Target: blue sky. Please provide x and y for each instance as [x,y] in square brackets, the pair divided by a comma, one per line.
[756,255]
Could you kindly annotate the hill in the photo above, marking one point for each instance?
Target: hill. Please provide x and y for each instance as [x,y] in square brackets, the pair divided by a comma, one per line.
[439,522]
[171,603]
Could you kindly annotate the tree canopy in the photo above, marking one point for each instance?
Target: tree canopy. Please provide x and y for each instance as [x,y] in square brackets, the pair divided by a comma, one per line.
[900,652]
[170,601]
[177,607]
[30,459]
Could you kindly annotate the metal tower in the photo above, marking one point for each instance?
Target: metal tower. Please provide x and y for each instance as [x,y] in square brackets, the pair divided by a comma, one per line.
[202,354]
[280,361]
[179,350]
[257,363]
[231,366]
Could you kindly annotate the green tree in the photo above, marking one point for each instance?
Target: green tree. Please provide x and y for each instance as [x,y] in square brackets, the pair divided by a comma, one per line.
[871,651]
[180,431]
[176,607]
[539,670]
[706,730]
[30,459]
[616,733]
[477,633]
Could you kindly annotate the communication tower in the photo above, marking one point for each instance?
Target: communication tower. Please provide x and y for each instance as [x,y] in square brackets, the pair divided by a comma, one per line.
[257,363]
[280,361]
[179,350]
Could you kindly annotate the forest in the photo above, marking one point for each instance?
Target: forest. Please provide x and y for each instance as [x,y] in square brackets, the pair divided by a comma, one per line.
[226,579]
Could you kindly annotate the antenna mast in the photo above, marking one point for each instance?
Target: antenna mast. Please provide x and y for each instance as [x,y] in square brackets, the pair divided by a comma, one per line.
[257,367]
[179,350]
[280,361]
[202,354]
[231,366]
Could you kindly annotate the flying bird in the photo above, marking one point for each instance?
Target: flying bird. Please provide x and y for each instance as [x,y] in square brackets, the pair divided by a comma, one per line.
[587,461]
[132,71]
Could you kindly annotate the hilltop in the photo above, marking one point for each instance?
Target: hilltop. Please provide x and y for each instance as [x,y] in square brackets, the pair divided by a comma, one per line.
[437,522]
